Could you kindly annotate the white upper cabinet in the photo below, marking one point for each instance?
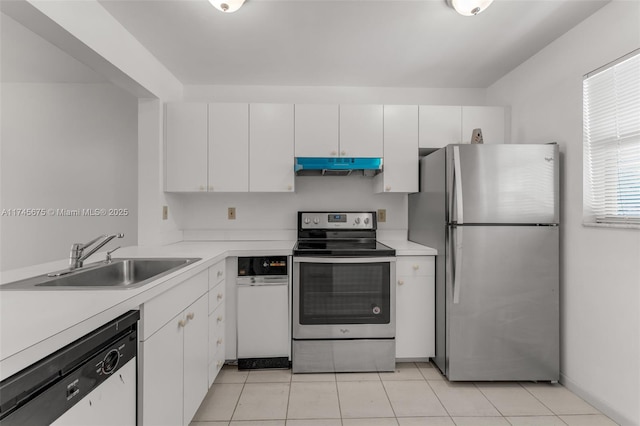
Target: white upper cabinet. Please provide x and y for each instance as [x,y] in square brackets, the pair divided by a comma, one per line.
[489,119]
[271,150]
[228,147]
[440,125]
[186,147]
[316,130]
[400,166]
[361,131]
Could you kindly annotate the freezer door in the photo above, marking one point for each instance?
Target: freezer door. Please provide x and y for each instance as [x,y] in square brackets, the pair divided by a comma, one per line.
[511,183]
[502,303]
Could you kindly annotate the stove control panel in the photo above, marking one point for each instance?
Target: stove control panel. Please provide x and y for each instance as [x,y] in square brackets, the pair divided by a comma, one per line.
[337,220]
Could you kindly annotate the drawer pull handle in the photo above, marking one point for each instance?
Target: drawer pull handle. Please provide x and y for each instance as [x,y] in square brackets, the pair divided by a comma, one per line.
[219,319]
[400,282]
[416,267]
[191,316]
[220,295]
[219,342]
[182,323]
[219,274]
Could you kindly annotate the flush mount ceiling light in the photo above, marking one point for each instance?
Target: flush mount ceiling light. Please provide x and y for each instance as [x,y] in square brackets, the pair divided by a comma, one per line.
[469,7]
[227,6]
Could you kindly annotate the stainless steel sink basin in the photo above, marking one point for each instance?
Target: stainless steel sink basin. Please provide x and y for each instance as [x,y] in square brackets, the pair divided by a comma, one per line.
[120,273]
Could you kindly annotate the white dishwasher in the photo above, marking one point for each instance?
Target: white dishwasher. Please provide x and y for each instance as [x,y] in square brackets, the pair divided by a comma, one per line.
[264,331]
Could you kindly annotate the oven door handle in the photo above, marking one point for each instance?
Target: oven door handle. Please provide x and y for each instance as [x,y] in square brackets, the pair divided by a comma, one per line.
[343,259]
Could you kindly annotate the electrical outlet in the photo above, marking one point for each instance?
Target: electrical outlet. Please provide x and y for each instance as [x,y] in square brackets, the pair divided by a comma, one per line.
[165,212]
[382,215]
[231,213]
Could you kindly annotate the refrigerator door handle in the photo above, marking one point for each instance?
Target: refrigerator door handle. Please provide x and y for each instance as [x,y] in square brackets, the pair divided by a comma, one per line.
[457,177]
[457,263]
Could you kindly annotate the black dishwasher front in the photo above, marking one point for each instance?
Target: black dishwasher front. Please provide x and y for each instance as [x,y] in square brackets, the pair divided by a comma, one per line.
[43,392]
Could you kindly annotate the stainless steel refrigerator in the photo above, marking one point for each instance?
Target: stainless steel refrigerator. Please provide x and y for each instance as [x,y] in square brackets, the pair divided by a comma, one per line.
[491,211]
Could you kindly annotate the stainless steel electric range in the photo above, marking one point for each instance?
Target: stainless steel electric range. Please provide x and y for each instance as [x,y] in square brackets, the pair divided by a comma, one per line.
[343,297]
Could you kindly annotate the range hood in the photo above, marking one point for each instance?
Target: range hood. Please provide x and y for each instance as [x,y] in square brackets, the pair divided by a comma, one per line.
[342,166]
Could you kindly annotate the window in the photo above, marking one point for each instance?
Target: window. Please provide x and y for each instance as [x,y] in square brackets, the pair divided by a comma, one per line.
[611,142]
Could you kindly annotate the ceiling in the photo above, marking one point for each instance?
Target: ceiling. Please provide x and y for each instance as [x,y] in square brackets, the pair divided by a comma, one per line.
[393,43]
[28,58]
[376,43]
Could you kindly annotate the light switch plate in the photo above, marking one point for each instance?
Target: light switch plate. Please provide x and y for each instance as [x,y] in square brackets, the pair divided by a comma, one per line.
[231,213]
[382,215]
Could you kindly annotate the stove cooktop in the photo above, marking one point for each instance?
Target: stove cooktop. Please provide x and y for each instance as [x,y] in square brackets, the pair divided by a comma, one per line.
[342,248]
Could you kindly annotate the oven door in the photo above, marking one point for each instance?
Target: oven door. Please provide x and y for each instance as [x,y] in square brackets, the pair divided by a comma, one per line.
[343,298]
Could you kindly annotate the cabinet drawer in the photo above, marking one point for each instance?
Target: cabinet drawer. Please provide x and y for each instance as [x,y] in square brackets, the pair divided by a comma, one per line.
[216,274]
[415,266]
[216,297]
[215,366]
[159,310]
[216,332]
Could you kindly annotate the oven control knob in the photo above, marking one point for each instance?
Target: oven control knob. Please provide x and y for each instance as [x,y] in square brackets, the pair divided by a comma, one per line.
[366,220]
[307,220]
[316,220]
[357,220]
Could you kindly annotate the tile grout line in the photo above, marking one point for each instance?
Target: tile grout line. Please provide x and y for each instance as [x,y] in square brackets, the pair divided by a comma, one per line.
[542,402]
[436,394]
[286,411]
[475,384]
[338,396]
[384,388]
[239,396]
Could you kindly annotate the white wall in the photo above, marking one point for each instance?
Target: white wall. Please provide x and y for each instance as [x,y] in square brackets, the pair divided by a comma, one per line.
[266,216]
[336,95]
[600,273]
[205,215]
[65,146]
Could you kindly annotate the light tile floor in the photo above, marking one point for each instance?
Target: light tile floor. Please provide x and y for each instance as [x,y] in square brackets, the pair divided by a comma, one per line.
[416,394]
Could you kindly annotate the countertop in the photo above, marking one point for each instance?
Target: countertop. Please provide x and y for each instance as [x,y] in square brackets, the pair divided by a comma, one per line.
[34,324]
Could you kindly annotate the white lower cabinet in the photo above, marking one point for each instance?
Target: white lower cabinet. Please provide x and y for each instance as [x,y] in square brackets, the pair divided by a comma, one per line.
[174,353]
[415,313]
[217,321]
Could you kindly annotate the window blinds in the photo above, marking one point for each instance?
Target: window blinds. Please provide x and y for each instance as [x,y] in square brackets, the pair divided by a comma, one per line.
[611,142]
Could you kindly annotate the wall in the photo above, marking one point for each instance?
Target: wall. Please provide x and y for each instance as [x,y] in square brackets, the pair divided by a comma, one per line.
[600,277]
[204,216]
[65,146]
[267,215]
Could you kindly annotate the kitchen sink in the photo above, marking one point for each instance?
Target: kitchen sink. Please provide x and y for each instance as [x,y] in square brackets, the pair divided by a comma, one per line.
[118,274]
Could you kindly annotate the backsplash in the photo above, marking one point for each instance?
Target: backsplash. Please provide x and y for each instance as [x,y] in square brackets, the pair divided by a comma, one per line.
[274,215]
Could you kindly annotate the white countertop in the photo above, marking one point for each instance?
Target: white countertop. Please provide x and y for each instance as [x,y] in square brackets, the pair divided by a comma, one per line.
[409,248]
[34,323]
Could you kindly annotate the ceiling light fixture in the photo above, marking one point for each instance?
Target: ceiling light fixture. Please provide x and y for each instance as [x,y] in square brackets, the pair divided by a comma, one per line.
[469,7]
[227,6]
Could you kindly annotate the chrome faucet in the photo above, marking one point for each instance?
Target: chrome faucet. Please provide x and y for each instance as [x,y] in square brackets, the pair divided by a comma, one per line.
[77,255]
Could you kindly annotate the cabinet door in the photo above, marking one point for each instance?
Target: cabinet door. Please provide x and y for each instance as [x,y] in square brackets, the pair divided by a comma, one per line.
[196,350]
[415,313]
[185,147]
[162,359]
[361,131]
[271,149]
[400,150]
[489,119]
[440,125]
[316,130]
[228,147]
